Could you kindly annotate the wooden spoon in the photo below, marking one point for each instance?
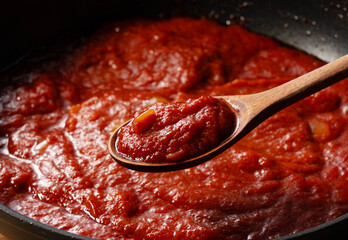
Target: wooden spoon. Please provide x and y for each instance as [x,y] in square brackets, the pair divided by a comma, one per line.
[250,111]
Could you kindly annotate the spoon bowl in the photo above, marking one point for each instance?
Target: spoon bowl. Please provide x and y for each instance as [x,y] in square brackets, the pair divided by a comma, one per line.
[250,110]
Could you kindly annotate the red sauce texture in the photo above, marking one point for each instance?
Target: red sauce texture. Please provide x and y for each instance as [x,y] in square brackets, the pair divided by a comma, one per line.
[57,114]
[172,132]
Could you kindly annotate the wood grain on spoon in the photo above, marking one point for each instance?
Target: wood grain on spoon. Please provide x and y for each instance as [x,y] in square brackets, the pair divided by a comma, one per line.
[250,110]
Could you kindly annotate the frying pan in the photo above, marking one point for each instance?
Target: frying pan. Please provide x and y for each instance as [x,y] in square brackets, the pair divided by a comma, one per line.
[319,28]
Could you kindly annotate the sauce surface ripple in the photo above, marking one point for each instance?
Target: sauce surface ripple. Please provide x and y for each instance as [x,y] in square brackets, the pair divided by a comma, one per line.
[287,175]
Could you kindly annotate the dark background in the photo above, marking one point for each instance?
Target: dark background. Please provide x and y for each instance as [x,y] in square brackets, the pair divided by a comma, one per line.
[319,27]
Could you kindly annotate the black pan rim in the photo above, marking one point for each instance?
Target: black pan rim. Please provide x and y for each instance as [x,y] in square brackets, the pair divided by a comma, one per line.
[24,222]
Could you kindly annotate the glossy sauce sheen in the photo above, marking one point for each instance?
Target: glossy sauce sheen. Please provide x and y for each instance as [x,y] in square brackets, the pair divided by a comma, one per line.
[287,175]
[173,132]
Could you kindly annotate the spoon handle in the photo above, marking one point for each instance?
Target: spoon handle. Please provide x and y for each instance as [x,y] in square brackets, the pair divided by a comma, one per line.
[277,98]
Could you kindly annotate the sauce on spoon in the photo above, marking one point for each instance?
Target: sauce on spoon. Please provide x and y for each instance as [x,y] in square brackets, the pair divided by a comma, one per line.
[174,132]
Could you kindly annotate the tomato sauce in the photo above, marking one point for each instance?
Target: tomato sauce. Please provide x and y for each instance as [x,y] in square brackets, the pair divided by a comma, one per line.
[56,117]
[173,132]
